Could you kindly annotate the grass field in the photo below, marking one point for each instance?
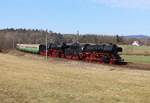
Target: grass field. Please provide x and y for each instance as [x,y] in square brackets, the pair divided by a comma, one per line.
[26,80]
[136,58]
[142,50]
[136,54]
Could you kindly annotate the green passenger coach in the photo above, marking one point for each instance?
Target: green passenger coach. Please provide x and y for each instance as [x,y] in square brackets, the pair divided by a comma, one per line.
[31,48]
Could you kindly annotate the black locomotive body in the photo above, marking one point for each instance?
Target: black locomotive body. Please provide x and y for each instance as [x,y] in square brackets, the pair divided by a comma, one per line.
[102,53]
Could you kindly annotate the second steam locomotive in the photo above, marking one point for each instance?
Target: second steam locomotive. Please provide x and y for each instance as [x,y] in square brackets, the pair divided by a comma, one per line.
[102,53]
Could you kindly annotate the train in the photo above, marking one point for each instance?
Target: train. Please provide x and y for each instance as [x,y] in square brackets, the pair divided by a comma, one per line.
[101,53]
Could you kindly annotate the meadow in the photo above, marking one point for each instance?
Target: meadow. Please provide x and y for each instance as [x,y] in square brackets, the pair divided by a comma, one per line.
[137,58]
[136,54]
[28,79]
[135,50]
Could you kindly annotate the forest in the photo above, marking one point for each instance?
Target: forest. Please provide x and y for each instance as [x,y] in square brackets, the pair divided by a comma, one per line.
[10,37]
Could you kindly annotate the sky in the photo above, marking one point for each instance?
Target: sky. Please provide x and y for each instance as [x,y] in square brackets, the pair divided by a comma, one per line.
[123,17]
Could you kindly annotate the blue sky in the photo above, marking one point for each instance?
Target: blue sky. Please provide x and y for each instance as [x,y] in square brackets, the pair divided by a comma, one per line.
[122,17]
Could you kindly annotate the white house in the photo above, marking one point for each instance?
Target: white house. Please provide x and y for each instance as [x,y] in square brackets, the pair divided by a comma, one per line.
[136,43]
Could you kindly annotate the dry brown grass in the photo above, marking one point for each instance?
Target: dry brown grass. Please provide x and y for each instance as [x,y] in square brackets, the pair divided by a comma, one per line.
[26,80]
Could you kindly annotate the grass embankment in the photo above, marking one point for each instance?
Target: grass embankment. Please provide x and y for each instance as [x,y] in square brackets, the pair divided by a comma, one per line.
[25,80]
[137,58]
[135,50]
[136,54]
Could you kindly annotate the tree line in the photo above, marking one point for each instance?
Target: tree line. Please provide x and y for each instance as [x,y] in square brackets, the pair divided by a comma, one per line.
[10,37]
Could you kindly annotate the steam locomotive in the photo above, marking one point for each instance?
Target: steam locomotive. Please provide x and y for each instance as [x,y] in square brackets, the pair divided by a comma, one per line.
[102,53]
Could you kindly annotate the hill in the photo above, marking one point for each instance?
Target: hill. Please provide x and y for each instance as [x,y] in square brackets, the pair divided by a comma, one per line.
[137,36]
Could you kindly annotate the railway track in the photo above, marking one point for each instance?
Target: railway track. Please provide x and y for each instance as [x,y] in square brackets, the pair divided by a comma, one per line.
[133,66]
[138,66]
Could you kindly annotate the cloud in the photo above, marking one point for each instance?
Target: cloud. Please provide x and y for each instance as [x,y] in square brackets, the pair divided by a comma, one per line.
[142,4]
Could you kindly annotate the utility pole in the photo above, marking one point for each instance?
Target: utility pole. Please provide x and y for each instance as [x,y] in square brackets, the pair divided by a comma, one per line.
[46,46]
[77,38]
[146,41]
[13,43]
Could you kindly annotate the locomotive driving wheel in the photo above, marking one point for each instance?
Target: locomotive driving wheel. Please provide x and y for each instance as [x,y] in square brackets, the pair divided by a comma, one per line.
[106,59]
